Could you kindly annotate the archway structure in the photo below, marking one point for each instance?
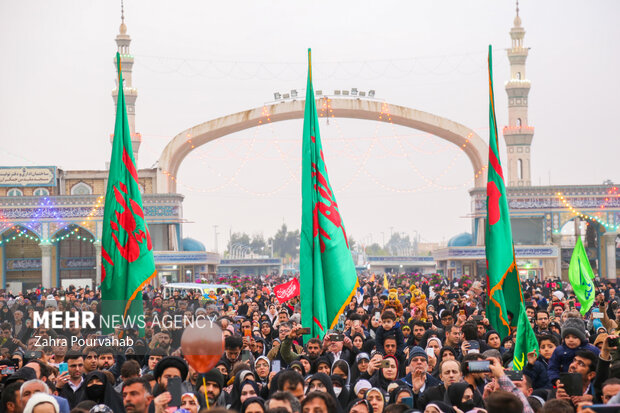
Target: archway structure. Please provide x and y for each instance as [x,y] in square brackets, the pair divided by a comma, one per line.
[182,144]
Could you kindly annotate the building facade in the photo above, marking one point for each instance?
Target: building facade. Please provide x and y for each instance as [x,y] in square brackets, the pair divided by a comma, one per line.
[51,219]
[545,219]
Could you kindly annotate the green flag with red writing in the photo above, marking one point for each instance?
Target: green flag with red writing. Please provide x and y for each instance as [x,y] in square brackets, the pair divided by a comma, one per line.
[503,284]
[328,279]
[127,262]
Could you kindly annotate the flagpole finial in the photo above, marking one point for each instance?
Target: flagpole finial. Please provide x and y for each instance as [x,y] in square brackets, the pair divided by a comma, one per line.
[517,8]
[123,28]
[310,63]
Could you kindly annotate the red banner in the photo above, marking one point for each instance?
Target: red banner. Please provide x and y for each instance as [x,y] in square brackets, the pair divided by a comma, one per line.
[286,291]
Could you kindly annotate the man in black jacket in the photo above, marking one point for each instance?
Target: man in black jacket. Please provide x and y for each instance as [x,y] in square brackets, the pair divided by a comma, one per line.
[336,349]
[449,373]
[71,381]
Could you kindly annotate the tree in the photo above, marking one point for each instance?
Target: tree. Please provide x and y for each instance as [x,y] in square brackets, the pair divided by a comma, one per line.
[286,243]
[259,245]
[375,250]
[399,245]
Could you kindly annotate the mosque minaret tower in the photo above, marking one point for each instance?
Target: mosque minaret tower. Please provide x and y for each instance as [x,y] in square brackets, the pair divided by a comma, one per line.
[131,94]
[518,134]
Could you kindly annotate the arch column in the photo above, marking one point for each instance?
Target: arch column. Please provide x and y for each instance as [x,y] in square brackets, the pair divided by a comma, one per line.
[97,245]
[556,239]
[46,264]
[609,244]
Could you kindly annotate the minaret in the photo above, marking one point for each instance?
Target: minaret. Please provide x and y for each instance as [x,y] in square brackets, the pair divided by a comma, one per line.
[518,134]
[131,94]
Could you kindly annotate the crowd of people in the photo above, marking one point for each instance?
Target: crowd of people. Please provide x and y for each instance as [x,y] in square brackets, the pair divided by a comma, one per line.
[414,346]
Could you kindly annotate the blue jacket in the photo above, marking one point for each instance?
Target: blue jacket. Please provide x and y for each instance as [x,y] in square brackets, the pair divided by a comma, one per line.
[563,356]
[382,334]
[538,374]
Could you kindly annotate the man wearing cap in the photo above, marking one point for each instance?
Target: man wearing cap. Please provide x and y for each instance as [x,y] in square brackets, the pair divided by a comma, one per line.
[167,368]
[418,379]
[214,383]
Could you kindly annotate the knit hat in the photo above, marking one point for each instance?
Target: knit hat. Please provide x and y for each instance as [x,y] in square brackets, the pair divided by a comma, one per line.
[574,326]
[214,376]
[417,351]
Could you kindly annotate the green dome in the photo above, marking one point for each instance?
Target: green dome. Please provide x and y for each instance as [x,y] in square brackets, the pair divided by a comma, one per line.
[462,240]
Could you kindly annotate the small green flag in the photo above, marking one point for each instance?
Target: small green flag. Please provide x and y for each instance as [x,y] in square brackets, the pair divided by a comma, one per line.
[525,342]
[328,279]
[127,262]
[503,284]
[581,277]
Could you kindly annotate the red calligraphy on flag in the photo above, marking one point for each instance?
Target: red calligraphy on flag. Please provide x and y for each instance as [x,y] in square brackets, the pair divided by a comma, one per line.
[328,209]
[127,221]
[286,291]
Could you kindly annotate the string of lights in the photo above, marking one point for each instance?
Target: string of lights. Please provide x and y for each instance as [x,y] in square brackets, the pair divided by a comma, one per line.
[394,68]
[21,235]
[232,178]
[587,217]
[361,168]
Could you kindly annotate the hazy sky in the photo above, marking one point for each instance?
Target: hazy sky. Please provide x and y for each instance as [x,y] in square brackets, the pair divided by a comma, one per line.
[196,60]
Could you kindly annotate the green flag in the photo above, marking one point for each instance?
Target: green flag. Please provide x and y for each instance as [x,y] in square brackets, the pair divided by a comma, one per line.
[328,279]
[580,275]
[525,342]
[503,284]
[127,263]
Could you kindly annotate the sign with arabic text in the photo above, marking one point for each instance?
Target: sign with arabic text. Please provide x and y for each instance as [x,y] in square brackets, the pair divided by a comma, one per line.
[23,264]
[286,291]
[27,176]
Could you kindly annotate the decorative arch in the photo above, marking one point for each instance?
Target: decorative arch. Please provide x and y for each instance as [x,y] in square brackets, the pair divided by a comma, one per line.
[188,140]
[21,226]
[15,192]
[81,188]
[72,225]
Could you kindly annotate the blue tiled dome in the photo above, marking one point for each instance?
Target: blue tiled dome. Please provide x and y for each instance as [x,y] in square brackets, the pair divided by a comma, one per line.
[190,244]
[462,240]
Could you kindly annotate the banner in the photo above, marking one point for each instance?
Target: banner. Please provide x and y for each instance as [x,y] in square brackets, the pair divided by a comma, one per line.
[286,291]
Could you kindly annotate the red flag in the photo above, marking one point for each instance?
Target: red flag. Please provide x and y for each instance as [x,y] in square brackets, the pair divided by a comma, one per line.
[286,291]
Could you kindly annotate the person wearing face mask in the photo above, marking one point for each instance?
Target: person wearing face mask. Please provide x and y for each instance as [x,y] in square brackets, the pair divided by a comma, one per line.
[341,368]
[101,391]
[463,396]
[342,393]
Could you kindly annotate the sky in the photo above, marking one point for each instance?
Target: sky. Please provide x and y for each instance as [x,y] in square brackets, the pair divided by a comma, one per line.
[197,60]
